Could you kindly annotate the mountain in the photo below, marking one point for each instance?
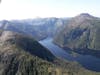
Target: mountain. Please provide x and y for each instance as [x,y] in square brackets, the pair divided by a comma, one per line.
[27,43]
[82,32]
[39,28]
[22,55]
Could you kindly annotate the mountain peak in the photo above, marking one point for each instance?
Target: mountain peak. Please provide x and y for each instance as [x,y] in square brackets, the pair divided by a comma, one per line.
[85,15]
[79,31]
[82,17]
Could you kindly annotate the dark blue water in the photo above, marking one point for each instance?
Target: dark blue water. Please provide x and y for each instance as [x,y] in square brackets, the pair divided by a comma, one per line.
[87,61]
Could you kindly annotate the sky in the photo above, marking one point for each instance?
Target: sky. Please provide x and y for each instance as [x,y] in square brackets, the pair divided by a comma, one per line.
[23,9]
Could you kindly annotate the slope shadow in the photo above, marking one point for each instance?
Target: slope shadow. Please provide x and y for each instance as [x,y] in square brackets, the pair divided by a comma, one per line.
[85,51]
[92,52]
[87,62]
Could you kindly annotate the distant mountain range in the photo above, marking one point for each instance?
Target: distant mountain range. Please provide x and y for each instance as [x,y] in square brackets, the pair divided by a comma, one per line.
[39,28]
[82,32]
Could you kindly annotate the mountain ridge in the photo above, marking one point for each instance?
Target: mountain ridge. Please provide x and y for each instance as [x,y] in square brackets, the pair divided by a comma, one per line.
[81,32]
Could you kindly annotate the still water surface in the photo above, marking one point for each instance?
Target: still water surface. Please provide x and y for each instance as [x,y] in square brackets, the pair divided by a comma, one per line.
[88,61]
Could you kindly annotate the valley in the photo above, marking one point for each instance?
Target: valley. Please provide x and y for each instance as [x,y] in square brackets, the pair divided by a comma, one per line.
[50,46]
[49,37]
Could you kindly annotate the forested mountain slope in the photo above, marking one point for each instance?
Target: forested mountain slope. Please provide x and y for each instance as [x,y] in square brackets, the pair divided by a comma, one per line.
[82,32]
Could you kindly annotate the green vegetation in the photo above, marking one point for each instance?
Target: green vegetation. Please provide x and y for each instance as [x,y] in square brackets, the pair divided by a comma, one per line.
[22,55]
[82,32]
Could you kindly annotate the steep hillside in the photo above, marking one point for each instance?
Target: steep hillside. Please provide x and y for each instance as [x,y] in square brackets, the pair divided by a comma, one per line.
[25,42]
[82,32]
[22,55]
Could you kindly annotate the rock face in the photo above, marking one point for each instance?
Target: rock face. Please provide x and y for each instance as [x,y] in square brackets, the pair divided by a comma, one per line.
[82,32]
